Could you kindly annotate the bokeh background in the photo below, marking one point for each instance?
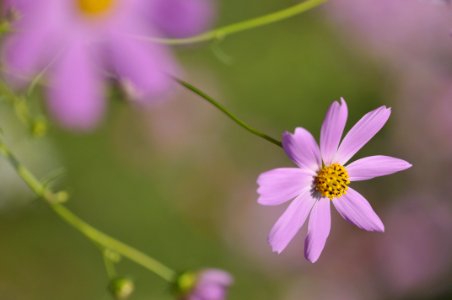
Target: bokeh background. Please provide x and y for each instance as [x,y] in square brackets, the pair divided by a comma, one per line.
[178,180]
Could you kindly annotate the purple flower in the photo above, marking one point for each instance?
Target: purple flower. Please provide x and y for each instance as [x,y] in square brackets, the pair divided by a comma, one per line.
[323,176]
[80,43]
[208,284]
[188,17]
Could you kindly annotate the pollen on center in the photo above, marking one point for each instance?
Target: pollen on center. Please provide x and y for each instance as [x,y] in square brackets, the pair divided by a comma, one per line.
[332,181]
[95,7]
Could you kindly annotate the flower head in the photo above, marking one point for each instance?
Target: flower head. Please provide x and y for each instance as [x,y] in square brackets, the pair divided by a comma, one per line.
[79,44]
[323,177]
[208,284]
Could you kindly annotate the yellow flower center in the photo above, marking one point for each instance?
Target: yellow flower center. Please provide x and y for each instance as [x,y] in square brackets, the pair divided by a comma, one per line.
[95,7]
[332,181]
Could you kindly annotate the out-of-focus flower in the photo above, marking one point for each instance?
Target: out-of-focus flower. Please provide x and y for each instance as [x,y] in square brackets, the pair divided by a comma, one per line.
[188,17]
[322,177]
[408,32]
[79,43]
[208,284]
[415,255]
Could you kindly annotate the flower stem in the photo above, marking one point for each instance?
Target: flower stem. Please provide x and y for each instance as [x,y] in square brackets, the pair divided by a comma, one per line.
[86,229]
[223,109]
[222,32]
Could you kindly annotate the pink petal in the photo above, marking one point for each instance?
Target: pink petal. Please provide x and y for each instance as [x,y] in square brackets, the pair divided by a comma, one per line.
[280,185]
[374,166]
[32,45]
[354,208]
[318,230]
[361,133]
[216,276]
[290,222]
[302,149]
[332,129]
[143,69]
[25,54]
[182,18]
[76,94]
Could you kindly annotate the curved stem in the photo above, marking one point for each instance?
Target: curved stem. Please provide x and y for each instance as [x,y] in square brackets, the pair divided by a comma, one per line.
[223,109]
[86,229]
[222,32]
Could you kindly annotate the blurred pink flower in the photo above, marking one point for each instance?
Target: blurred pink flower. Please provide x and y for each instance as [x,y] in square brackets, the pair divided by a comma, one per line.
[208,284]
[80,43]
[322,178]
[415,254]
[408,32]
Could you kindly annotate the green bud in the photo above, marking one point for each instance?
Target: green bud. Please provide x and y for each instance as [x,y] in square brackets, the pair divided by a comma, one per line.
[5,27]
[121,288]
[62,196]
[184,283]
[39,128]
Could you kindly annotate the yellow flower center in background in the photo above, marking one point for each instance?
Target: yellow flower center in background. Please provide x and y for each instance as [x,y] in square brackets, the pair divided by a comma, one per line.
[332,181]
[95,7]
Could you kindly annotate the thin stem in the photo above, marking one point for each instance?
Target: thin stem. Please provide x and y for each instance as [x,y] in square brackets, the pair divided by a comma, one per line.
[109,265]
[86,229]
[223,109]
[222,32]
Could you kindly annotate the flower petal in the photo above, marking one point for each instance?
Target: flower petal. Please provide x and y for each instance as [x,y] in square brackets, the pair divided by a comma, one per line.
[354,208]
[332,130]
[142,69]
[182,18]
[216,277]
[374,166]
[318,230]
[280,185]
[302,149]
[76,93]
[290,222]
[361,133]
[25,54]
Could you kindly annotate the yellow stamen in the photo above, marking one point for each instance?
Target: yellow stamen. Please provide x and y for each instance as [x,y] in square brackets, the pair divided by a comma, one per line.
[332,181]
[95,7]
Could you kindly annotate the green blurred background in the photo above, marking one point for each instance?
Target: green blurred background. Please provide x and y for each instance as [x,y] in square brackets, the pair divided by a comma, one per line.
[178,181]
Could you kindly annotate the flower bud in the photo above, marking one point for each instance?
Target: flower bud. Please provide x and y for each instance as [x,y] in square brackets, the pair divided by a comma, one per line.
[121,288]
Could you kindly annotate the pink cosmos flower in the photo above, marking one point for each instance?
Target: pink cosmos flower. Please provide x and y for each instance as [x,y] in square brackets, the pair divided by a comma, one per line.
[323,176]
[208,284]
[80,43]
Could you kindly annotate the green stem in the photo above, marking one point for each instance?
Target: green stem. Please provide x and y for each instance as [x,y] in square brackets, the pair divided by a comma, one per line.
[222,32]
[86,229]
[227,113]
[109,266]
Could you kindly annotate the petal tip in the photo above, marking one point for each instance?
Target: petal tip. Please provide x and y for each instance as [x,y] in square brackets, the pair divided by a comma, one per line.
[275,249]
[287,134]
[312,260]
[308,255]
